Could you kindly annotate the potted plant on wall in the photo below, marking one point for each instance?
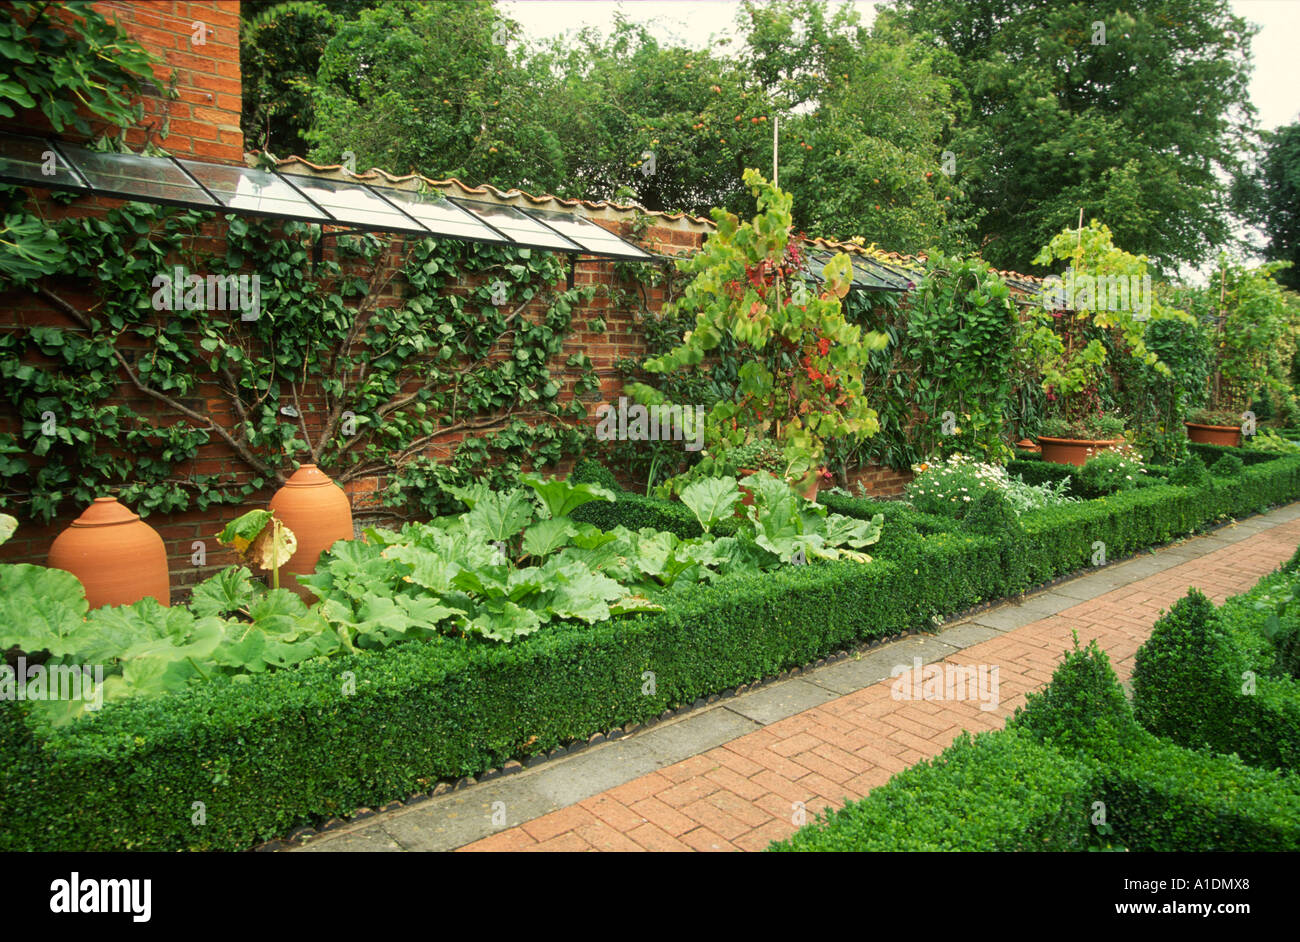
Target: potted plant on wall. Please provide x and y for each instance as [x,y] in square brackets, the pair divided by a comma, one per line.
[1065,339]
[1215,427]
[1249,322]
[799,361]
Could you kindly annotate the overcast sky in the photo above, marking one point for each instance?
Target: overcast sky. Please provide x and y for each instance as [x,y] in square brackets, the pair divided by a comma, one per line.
[1275,88]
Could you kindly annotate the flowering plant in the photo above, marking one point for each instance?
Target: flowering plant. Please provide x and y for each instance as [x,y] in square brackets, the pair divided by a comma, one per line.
[1116,469]
[945,487]
[800,378]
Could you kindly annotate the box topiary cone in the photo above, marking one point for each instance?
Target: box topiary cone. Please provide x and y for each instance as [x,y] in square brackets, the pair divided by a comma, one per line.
[118,557]
[318,513]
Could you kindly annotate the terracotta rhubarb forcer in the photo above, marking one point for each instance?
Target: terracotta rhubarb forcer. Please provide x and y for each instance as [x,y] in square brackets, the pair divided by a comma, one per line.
[746,495]
[118,557]
[1229,435]
[809,484]
[1073,451]
[318,512]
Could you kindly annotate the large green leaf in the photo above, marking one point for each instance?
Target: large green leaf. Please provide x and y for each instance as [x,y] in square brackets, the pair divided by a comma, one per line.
[498,516]
[711,500]
[634,603]
[579,592]
[279,611]
[546,536]
[39,608]
[609,552]
[503,620]
[170,662]
[524,584]
[230,590]
[351,569]
[559,498]
[428,569]
[109,632]
[852,531]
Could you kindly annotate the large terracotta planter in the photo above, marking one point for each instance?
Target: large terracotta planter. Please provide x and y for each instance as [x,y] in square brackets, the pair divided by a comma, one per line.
[319,514]
[1229,435]
[1073,451]
[118,557]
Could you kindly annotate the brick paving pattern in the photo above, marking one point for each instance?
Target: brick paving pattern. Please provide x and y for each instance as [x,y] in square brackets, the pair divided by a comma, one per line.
[742,795]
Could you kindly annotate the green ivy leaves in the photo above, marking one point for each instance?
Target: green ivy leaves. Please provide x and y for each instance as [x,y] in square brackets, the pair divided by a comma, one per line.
[431,341]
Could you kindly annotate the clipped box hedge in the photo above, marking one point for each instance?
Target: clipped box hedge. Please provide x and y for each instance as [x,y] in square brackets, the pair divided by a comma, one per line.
[267,756]
[289,748]
[1007,791]
[1205,679]
[1000,791]
[1162,797]
[634,512]
[1212,453]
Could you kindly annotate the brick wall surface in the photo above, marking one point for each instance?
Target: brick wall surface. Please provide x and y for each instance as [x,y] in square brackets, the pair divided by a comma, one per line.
[202,121]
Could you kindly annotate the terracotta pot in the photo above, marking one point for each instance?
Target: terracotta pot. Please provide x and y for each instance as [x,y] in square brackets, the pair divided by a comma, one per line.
[1229,435]
[319,514]
[809,485]
[1073,451]
[746,495]
[1026,445]
[118,557]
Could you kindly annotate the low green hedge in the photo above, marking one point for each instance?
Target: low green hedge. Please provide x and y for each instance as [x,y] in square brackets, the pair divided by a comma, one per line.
[1212,453]
[1040,472]
[1162,797]
[1000,791]
[1072,770]
[634,512]
[1205,679]
[289,747]
[864,508]
[1155,794]
[1067,538]
[1037,471]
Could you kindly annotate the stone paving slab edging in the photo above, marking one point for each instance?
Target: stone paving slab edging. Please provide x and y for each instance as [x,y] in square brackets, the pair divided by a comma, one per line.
[455,815]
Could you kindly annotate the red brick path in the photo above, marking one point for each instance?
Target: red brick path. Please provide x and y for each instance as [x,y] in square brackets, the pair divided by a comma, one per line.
[742,795]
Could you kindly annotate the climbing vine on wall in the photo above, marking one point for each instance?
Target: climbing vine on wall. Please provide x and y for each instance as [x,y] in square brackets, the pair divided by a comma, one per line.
[361,362]
[945,380]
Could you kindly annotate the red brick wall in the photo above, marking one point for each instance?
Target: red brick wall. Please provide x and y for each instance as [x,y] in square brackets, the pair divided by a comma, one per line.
[621,339]
[879,481]
[203,120]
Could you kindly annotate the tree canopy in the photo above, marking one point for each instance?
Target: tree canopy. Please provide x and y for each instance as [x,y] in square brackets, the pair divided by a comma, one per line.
[948,124]
[1136,115]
